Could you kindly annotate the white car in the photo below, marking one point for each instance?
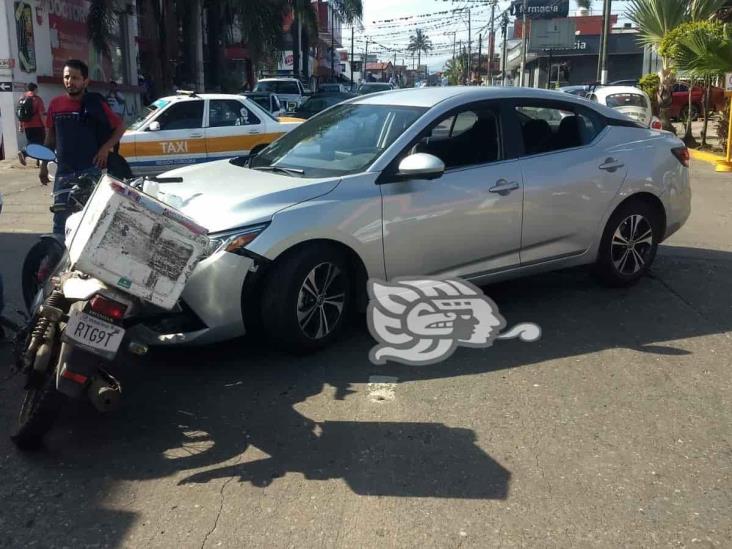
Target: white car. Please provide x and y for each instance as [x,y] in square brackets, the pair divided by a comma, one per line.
[632,102]
[190,129]
[483,183]
[290,91]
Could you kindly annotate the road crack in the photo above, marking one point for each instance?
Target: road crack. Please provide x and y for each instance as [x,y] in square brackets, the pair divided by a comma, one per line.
[221,505]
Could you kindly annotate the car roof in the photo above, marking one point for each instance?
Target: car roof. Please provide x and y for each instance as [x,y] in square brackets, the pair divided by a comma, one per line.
[431,97]
[612,90]
[199,96]
[277,79]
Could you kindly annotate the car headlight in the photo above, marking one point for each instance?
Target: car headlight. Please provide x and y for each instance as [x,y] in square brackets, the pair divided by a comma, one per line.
[235,241]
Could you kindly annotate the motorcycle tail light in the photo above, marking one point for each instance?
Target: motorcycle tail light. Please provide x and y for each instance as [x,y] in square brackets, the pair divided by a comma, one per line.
[682,155]
[108,307]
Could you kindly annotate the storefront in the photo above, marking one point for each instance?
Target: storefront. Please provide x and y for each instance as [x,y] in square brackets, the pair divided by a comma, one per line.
[38,36]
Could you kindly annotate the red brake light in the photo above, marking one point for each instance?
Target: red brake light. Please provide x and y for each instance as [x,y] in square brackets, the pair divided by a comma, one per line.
[656,124]
[682,154]
[107,307]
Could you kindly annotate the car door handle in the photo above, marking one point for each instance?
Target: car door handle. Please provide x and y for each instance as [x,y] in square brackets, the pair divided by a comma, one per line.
[253,132]
[503,186]
[611,165]
[196,134]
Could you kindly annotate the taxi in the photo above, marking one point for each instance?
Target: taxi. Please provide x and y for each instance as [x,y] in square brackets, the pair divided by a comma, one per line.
[191,128]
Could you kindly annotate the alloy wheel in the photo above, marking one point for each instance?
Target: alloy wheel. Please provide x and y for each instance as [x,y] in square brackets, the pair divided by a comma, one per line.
[321,300]
[631,245]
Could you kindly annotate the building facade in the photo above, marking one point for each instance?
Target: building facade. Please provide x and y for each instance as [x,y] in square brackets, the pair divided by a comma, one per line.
[38,36]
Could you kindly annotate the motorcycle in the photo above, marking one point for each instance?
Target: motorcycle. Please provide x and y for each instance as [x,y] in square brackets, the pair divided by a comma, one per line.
[77,327]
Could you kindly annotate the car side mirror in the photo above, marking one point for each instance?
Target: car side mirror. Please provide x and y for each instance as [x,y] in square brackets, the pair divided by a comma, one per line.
[154,126]
[421,166]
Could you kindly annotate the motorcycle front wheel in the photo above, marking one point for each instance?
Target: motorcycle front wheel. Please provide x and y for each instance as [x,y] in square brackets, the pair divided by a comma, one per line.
[40,406]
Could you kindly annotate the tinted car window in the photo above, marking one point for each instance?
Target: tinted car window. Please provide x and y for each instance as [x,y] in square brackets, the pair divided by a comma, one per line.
[288,88]
[468,138]
[229,112]
[185,115]
[548,128]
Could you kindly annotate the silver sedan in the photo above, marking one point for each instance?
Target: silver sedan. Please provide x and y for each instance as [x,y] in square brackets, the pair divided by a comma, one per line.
[479,183]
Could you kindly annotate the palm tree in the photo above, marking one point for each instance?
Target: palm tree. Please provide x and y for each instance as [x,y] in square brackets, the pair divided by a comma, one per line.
[304,25]
[655,19]
[418,43]
[703,50]
[454,70]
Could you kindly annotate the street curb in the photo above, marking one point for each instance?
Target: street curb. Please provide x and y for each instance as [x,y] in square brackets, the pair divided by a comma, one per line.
[704,156]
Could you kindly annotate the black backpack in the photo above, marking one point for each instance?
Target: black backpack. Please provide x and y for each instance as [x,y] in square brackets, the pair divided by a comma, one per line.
[24,110]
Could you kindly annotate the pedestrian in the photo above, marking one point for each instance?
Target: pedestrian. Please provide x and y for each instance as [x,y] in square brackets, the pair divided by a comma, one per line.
[115,100]
[31,112]
[83,130]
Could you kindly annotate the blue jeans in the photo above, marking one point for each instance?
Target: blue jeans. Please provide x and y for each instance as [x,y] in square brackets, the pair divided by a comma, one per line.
[64,182]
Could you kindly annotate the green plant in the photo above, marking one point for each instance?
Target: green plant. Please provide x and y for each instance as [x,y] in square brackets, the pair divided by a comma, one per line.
[649,84]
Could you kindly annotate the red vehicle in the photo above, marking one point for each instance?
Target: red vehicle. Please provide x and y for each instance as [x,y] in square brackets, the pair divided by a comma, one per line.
[680,100]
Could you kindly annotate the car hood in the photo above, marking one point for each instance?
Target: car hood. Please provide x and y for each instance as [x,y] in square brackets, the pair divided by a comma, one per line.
[221,196]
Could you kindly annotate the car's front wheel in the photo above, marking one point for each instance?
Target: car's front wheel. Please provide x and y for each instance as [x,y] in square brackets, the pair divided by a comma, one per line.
[307,298]
[629,244]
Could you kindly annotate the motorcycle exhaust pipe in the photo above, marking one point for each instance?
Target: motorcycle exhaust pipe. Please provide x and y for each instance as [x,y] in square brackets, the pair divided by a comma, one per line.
[105,393]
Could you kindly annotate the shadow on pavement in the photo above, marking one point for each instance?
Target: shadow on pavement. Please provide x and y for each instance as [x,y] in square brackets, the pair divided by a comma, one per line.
[191,409]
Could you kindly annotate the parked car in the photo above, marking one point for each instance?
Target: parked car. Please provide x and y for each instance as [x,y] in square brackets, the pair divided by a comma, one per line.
[631,82]
[680,101]
[422,183]
[330,87]
[190,129]
[579,90]
[290,91]
[373,87]
[319,102]
[268,101]
[633,102]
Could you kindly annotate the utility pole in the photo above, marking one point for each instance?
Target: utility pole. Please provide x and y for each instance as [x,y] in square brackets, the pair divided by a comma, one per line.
[606,27]
[491,46]
[470,46]
[332,43]
[353,57]
[365,60]
[453,46]
[480,51]
[524,39]
[504,27]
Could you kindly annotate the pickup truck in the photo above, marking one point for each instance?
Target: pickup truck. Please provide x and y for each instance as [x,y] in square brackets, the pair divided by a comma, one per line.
[680,100]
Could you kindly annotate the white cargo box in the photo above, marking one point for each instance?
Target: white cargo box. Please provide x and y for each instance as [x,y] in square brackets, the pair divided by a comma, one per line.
[136,243]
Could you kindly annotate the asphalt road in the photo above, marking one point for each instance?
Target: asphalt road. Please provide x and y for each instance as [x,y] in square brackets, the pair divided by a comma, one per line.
[614,430]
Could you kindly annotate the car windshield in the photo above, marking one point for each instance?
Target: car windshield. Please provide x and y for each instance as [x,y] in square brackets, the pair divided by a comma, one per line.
[345,140]
[317,104]
[370,88]
[626,100]
[277,86]
[147,112]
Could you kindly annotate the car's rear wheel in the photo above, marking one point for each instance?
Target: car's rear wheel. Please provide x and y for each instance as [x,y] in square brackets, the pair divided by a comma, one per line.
[629,244]
[307,298]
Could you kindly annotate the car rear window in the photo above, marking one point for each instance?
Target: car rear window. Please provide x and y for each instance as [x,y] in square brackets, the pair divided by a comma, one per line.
[626,100]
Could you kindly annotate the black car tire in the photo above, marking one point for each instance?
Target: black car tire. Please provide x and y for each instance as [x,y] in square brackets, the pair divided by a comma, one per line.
[287,300]
[629,244]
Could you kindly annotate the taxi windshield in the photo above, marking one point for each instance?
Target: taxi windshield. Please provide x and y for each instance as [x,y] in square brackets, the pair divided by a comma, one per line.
[146,113]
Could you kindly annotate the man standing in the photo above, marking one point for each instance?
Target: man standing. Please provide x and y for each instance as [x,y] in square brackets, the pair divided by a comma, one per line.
[83,130]
[32,125]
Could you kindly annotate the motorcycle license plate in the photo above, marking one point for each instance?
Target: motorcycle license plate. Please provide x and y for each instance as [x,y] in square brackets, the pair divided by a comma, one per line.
[93,332]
